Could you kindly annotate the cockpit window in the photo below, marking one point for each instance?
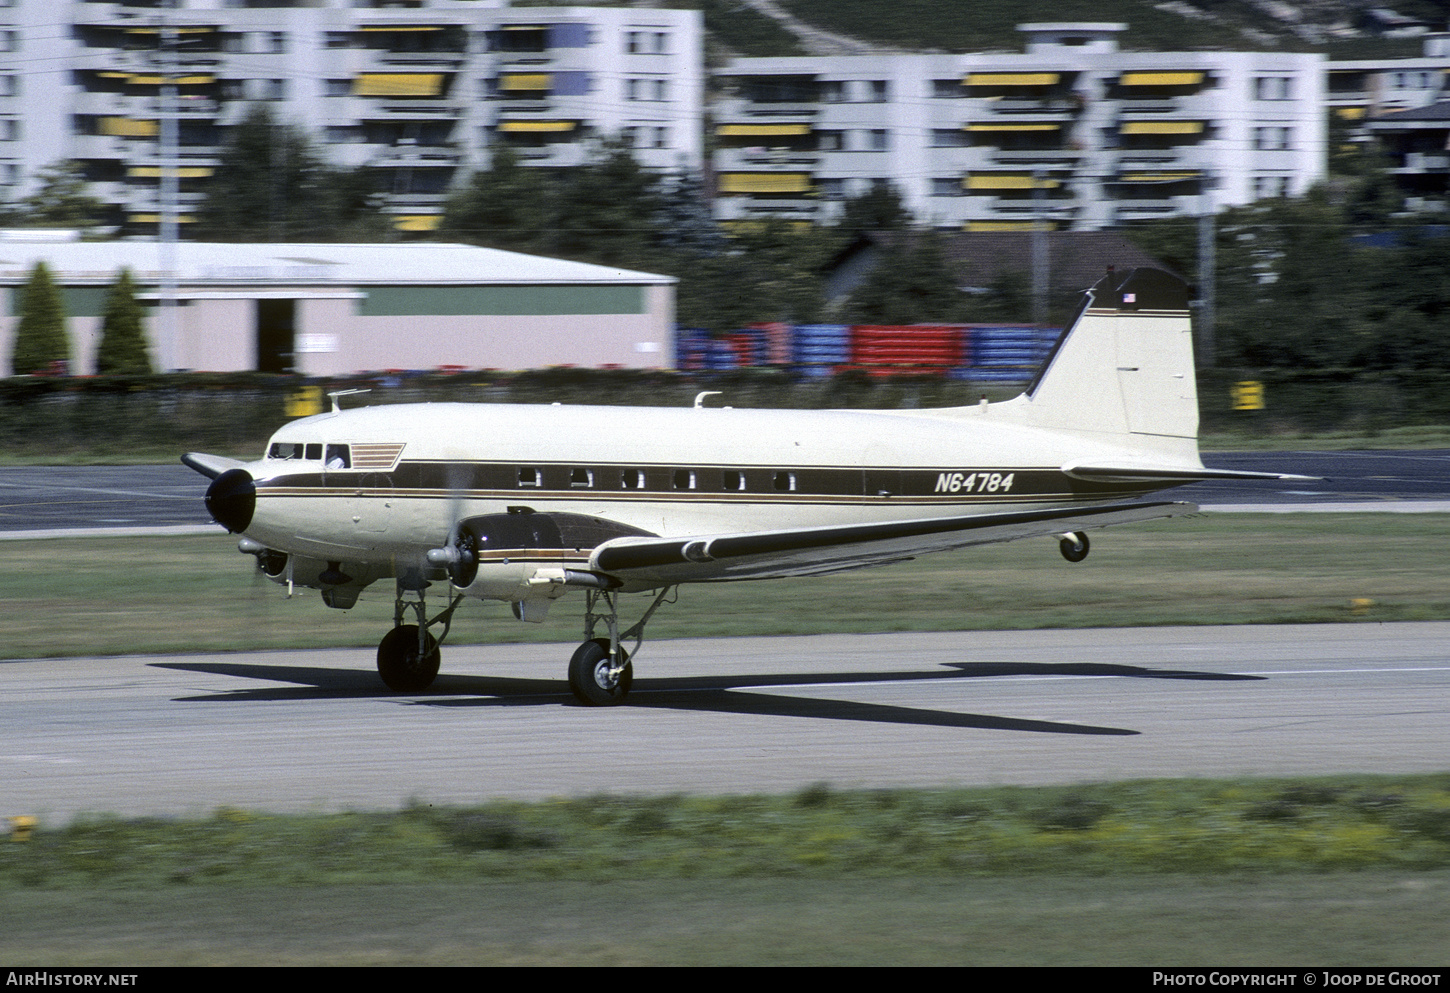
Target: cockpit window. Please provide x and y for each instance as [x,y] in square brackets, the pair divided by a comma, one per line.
[297,450]
[339,457]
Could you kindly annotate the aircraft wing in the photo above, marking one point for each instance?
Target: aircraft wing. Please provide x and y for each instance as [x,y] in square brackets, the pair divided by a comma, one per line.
[821,550]
[210,466]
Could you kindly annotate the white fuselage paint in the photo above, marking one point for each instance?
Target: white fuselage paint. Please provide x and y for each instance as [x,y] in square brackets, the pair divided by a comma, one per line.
[976,458]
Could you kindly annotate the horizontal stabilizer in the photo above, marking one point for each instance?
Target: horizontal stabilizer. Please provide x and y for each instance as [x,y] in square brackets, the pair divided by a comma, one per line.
[816,551]
[1172,476]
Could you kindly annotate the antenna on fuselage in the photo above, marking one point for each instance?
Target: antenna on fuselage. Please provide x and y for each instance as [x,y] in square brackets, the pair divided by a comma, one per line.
[337,406]
[700,397]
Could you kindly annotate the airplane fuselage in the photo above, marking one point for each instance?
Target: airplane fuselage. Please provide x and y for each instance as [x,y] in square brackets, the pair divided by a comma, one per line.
[373,483]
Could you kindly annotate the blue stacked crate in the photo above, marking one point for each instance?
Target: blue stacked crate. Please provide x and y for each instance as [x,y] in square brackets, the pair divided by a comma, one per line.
[1008,354]
[819,348]
[691,344]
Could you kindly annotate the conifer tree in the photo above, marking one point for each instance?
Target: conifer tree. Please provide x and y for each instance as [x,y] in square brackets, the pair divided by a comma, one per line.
[123,335]
[41,345]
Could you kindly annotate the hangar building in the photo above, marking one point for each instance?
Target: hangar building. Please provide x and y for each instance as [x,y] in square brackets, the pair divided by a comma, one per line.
[325,309]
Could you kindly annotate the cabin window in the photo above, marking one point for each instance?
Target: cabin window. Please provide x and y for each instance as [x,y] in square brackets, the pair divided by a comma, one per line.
[785,481]
[732,479]
[531,477]
[684,479]
[631,479]
[339,457]
[581,478]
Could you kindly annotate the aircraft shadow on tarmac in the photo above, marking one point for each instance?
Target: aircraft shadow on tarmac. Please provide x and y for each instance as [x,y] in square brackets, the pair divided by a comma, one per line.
[704,694]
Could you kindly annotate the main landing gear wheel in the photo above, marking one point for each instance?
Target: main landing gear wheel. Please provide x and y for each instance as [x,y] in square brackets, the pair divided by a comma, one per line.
[1074,547]
[592,678]
[407,667]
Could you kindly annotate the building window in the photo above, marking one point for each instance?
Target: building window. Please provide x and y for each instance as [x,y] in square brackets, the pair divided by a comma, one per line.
[1270,186]
[1271,138]
[646,89]
[1273,88]
[336,87]
[949,187]
[948,138]
[9,129]
[829,141]
[646,42]
[872,91]
[875,140]
[947,88]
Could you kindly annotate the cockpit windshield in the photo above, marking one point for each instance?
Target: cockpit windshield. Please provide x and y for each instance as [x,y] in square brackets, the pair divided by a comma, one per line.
[295,450]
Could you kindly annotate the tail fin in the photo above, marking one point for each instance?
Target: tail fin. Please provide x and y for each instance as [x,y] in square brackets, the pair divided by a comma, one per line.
[1124,368]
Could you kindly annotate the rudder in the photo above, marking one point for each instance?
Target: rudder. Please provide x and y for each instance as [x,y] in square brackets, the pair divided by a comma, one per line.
[1124,367]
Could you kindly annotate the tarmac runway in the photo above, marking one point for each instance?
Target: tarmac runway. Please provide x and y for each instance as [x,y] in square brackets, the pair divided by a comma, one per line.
[316,731]
[58,501]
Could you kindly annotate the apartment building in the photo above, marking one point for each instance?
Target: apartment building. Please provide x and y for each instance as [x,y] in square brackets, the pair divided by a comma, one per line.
[1401,103]
[417,91]
[1075,133]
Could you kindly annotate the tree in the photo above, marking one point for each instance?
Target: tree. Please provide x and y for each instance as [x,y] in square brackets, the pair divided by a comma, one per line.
[911,284]
[604,211]
[507,205]
[123,336]
[878,209]
[684,220]
[41,346]
[607,208]
[61,201]
[272,185]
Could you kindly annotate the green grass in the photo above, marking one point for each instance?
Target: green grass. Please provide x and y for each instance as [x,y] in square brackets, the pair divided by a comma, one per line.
[1423,436]
[1388,919]
[102,596]
[1347,870]
[1334,824]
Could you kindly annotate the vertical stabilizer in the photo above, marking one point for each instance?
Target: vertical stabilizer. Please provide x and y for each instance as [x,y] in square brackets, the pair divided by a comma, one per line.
[1124,368]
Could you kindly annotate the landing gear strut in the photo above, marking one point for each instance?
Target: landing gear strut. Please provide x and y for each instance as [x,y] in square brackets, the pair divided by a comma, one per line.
[408,656]
[601,671]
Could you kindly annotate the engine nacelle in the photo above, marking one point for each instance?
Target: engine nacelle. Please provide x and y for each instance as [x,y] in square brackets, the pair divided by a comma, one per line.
[340,582]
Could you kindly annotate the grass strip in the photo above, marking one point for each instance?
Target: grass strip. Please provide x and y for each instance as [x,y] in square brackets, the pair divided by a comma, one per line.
[1391,919]
[1210,826]
[109,596]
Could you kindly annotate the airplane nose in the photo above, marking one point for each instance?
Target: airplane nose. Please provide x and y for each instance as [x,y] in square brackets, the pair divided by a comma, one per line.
[232,498]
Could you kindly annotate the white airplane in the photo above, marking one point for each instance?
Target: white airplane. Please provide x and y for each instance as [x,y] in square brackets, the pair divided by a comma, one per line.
[523,503]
